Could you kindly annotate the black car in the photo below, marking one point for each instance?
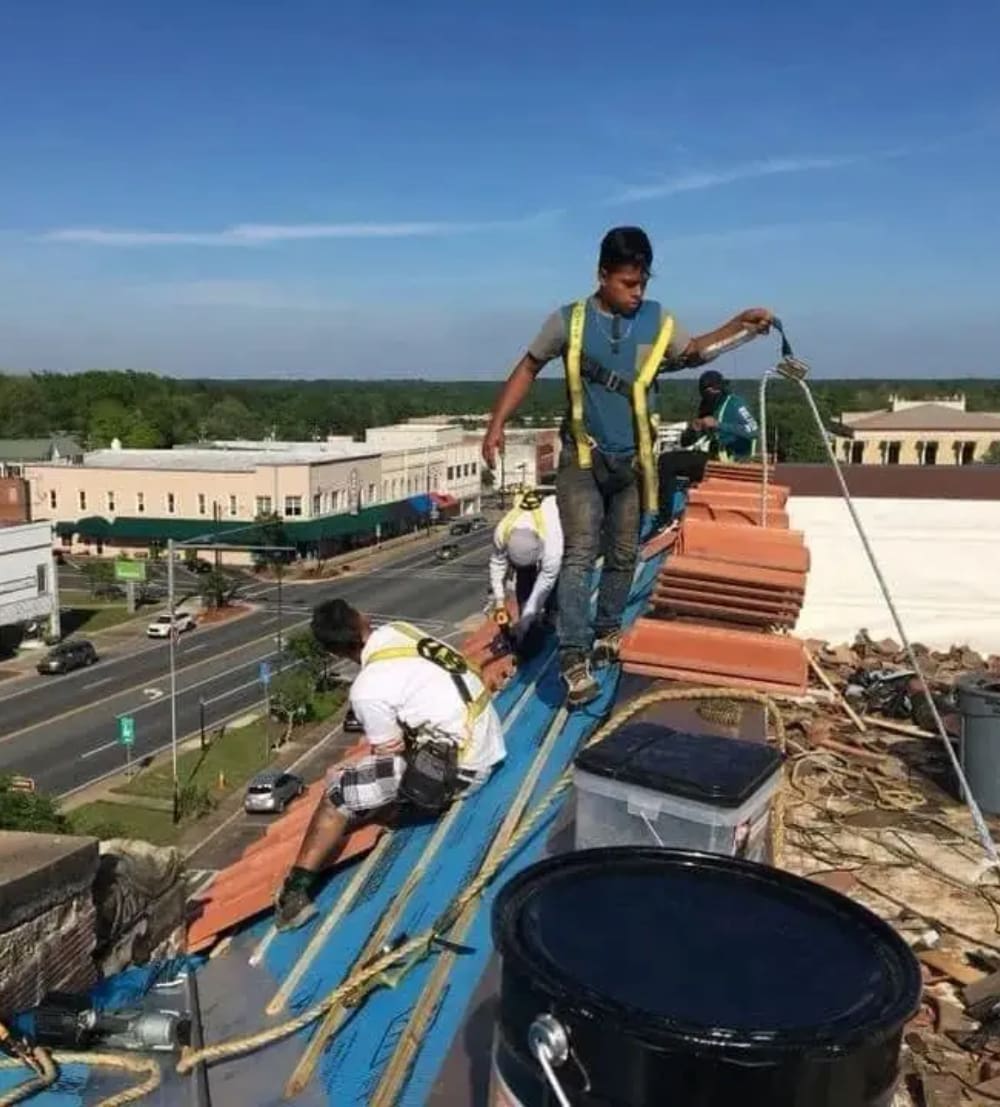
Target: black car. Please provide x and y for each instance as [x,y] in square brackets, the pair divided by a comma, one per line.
[109,592]
[463,526]
[351,723]
[447,552]
[68,656]
[198,565]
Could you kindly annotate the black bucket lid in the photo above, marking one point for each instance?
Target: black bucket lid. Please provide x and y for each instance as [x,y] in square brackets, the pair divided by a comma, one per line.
[680,950]
[723,772]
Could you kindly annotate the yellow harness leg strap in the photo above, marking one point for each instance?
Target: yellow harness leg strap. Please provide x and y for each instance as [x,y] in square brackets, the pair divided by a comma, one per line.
[577,315]
[424,647]
[640,407]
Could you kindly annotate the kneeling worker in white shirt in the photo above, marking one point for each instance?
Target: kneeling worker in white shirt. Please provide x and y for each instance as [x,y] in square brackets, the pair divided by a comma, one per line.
[431,728]
[529,540]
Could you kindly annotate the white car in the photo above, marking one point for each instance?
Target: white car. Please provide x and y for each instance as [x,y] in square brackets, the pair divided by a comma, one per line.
[160,626]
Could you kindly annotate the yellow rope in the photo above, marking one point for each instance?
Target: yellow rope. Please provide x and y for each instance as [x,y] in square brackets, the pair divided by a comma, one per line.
[421,944]
[140,1066]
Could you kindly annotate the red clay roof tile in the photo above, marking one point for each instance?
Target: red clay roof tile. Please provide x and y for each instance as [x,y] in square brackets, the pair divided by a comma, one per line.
[715,655]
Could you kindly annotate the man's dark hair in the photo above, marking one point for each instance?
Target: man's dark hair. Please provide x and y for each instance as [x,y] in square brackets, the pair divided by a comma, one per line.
[337,626]
[623,246]
[712,378]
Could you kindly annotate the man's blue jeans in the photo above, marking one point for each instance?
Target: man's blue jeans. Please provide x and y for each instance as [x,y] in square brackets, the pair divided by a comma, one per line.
[600,513]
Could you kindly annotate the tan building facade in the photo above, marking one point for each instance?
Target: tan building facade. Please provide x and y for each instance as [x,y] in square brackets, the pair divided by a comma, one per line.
[918,432]
[132,500]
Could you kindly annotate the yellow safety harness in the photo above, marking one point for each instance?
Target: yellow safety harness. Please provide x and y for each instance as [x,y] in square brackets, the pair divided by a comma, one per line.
[445,657]
[527,501]
[639,398]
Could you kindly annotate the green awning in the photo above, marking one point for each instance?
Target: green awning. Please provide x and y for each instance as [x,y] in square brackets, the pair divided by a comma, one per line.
[127,528]
[146,529]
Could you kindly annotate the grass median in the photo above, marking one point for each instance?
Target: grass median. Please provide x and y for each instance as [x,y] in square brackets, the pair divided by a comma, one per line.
[205,777]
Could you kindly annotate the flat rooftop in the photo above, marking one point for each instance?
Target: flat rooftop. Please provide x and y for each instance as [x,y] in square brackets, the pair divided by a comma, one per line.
[242,460]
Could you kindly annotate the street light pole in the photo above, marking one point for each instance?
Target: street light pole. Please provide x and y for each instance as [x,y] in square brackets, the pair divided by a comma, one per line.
[173,675]
[280,567]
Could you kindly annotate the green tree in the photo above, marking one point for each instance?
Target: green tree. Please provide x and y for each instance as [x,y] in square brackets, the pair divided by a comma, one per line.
[303,647]
[143,434]
[98,572]
[108,419]
[23,408]
[216,589]
[292,695]
[992,455]
[33,811]
[231,418]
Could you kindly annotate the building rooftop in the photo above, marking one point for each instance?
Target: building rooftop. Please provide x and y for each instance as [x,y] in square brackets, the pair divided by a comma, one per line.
[39,449]
[944,413]
[239,460]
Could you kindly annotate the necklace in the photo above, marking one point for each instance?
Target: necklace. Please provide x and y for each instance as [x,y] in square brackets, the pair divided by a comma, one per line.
[614,336]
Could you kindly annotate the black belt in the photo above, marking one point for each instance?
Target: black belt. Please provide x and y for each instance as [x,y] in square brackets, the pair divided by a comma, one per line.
[596,373]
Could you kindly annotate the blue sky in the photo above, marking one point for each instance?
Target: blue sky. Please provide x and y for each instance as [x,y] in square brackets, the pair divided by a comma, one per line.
[318,188]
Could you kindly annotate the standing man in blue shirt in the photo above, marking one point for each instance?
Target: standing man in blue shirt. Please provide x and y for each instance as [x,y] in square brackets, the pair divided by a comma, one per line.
[613,345]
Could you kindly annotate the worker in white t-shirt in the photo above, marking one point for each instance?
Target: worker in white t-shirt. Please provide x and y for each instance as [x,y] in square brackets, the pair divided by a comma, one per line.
[431,729]
[529,541]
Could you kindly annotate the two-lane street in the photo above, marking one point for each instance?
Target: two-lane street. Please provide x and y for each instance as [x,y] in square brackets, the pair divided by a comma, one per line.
[62,730]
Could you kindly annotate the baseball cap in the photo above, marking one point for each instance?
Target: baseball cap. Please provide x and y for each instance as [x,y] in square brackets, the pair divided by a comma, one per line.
[711,378]
[524,547]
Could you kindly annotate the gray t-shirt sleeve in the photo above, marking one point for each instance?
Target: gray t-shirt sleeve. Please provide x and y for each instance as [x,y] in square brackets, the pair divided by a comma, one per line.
[675,347]
[550,341]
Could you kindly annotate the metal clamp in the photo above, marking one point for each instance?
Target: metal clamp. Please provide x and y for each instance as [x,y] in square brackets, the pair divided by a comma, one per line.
[549,1043]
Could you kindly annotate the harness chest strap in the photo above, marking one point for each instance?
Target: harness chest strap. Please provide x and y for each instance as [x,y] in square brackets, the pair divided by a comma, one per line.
[426,648]
[640,404]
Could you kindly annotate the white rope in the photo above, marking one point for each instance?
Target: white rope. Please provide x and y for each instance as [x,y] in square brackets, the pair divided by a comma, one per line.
[762,409]
[982,831]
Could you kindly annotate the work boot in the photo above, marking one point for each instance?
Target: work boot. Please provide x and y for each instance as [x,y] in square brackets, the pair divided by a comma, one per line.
[293,905]
[607,648]
[581,687]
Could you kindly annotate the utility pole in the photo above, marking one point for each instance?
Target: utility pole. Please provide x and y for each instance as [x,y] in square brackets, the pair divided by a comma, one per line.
[216,517]
[173,675]
[280,566]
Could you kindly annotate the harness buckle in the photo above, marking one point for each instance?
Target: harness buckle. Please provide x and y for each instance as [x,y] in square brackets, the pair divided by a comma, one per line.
[613,381]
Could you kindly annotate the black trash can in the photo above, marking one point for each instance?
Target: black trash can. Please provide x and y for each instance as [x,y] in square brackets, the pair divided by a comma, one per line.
[658,976]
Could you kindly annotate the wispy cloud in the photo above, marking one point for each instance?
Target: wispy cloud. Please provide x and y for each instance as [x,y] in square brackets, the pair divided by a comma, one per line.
[262,234]
[698,180]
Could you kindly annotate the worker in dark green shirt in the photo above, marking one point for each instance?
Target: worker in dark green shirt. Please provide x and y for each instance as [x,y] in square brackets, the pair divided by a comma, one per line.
[723,427]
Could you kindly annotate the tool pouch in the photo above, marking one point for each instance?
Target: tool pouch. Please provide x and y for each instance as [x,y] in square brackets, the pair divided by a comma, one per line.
[430,779]
[613,474]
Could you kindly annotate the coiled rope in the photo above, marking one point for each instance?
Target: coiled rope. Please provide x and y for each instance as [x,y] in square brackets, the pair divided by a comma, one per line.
[421,945]
[145,1067]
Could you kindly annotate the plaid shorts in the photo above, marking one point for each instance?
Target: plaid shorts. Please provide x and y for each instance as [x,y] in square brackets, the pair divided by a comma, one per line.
[366,784]
[373,782]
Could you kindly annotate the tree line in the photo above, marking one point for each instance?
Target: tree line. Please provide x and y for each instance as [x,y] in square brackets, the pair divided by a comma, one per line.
[146,410]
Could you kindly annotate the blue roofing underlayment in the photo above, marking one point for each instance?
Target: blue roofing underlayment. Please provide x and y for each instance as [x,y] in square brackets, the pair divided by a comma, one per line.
[234,994]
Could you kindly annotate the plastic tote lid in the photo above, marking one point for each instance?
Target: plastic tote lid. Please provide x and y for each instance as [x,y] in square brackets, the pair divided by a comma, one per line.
[723,772]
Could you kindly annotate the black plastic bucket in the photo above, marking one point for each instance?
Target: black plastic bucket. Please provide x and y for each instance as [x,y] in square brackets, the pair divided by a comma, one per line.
[688,979]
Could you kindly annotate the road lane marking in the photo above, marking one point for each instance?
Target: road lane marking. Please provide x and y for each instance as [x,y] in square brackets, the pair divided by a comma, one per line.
[96,750]
[97,683]
[142,684]
[197,646]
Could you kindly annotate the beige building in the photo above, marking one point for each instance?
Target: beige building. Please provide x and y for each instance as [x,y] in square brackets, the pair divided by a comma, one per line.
[327,493]
[918,432]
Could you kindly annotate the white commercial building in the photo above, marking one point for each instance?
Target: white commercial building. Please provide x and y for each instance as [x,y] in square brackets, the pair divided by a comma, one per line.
[425,445]
[28,584]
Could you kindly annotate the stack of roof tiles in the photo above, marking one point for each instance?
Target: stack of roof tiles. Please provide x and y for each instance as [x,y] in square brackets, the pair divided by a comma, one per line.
[735,575]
